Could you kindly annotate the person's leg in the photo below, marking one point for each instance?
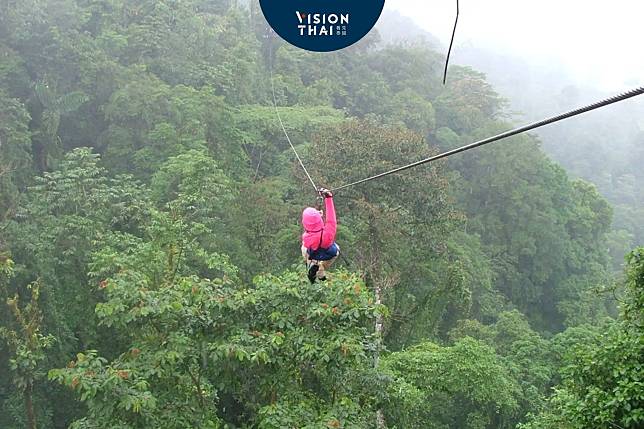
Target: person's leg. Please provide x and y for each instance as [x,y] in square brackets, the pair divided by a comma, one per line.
[312,270]
[325,265]
[321,273]
[312,266]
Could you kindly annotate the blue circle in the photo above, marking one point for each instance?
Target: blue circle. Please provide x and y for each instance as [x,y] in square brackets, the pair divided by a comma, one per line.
[322,25]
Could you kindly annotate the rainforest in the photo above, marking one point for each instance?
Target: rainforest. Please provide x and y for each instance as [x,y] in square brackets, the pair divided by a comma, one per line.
[151,274]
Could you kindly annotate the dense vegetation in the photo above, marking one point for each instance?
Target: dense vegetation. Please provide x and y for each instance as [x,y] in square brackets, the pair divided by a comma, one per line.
[604,148]
[149,257]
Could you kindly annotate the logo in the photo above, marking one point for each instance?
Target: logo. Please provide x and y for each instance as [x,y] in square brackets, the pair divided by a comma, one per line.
[322,25]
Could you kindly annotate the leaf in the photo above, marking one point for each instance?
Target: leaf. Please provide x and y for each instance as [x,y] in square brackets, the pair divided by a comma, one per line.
[70,102]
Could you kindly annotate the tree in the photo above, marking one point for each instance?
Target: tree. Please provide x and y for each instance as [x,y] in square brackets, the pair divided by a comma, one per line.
[54,107]
[530,360]
[543,231]
[60,221]
[602,381]
[173,187]
[204,350]
[468,101]
[15,154]
[465,386]
[398,224]
[27,344]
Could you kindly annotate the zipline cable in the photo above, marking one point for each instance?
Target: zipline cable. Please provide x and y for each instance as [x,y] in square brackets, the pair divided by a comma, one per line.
[451,42]
[510,133]
[279,117]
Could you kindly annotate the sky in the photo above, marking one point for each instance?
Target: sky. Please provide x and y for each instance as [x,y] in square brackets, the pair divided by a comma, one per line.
[598,42]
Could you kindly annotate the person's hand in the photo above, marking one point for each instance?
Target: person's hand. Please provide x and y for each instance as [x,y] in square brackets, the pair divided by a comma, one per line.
[326,193]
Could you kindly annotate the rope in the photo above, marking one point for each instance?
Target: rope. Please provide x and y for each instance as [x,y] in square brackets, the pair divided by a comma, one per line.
[279,117]
[510,133]
[451,42]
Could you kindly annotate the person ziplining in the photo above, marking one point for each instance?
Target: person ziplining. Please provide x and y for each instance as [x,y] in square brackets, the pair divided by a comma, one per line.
[319,248]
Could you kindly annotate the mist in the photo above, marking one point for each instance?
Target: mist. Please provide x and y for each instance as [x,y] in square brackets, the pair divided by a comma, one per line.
[596,43]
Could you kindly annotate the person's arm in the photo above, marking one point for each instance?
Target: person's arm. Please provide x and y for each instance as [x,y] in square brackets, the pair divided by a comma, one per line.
[331,225]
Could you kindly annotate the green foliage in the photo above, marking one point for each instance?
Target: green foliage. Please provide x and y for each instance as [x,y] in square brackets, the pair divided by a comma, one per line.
[149,121]
[468,101]
[544,233]
[25,341]
[603,385]
[263,140]
[606,151]
[602,381]
[415,112]
[205,350]
[462,386]
[147,187]
[632,311]
[63,218]
[529,359]
[15,156]
[54,107]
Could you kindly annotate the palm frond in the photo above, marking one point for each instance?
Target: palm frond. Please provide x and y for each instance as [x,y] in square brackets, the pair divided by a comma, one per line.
[71,101]
[44,93]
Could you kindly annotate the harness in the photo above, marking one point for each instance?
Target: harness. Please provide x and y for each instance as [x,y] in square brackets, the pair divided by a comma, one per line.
[321,237]
[321,231]
[321,253]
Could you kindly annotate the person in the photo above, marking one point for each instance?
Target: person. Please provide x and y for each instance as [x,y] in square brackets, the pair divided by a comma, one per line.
[319,248]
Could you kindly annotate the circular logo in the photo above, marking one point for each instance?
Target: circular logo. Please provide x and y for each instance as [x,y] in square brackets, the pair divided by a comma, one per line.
[322,25]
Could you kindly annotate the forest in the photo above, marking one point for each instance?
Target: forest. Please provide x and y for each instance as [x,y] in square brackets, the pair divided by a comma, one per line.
[150,266]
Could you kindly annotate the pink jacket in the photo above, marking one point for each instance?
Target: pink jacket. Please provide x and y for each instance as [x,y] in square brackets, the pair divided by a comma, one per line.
[315,228]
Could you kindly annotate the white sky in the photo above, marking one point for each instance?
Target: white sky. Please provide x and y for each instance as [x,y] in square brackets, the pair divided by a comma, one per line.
[600,42]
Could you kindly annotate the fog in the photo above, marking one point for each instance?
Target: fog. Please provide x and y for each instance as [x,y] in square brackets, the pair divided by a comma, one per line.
[597,43]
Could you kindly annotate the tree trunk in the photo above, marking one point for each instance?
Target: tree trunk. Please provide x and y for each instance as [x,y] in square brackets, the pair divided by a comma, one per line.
[29,406]
[380,420]
[380,417]
[379,320]
[379,281]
